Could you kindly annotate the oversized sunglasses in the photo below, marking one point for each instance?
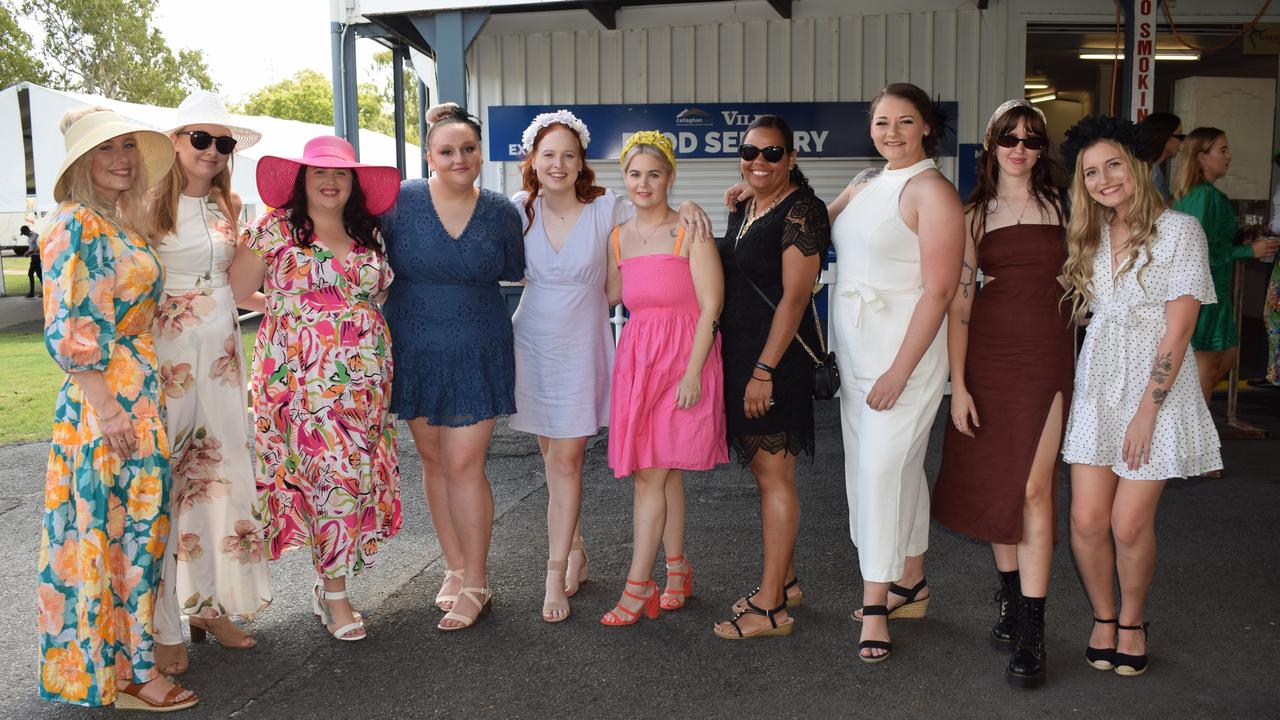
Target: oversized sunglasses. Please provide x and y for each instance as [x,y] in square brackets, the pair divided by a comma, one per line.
[1031,142]
[772,154]
[201,140]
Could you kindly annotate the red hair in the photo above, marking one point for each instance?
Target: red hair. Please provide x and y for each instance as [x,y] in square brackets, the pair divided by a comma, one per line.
[584,187]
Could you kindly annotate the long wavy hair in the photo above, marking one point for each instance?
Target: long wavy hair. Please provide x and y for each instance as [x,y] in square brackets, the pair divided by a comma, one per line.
[360,225]
[1084,229]
[129,211]
[1190,174]
[164,199]
[584,187]
[982,199]
[788,141]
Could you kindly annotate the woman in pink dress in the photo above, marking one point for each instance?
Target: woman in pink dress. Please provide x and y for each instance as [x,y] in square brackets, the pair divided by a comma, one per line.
[666,410]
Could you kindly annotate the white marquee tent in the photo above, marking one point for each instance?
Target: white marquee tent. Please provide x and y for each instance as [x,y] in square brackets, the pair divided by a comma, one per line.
[279,137]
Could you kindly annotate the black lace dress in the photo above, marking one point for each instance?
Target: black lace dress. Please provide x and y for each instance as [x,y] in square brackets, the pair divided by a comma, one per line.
[799,220]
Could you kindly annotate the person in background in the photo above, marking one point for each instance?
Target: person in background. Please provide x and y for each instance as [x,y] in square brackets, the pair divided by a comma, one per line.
[321,383]
[1137,417]
[1011,352]
[450,243]
[1163,133]
[106,516]
[194,216]
[901,232]
[1271,305]
[33,252]
[1206,157]
[667,403]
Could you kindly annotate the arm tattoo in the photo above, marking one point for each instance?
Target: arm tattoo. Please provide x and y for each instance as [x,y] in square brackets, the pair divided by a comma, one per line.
[1158,395]
[1161,369]
[965,284]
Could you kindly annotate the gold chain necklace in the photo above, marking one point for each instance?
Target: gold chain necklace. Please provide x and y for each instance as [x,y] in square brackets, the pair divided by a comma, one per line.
[751,216]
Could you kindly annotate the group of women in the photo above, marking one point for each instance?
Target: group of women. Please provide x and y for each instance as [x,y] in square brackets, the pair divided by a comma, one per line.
[151,509]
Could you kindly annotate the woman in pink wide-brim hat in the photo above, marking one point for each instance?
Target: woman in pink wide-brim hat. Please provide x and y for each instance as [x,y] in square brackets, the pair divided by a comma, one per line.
[321,379]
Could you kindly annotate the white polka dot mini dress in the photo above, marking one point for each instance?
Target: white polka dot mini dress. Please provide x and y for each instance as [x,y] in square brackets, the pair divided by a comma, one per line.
[1119,349]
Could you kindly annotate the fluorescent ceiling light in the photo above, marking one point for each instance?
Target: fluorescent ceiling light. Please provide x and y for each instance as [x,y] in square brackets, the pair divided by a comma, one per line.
[1038,85]
[1089,54]
[1044,98]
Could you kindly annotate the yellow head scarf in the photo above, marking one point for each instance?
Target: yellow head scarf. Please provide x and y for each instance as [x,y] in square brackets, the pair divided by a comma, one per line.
[649,137]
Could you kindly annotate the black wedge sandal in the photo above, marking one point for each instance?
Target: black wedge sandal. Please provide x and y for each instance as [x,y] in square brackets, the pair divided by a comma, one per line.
[885,645]
[775,629]
[911,609]
[1101,658]
[1131,665]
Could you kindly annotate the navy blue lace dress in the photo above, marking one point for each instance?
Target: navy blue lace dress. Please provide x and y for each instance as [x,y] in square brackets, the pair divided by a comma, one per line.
[451,338]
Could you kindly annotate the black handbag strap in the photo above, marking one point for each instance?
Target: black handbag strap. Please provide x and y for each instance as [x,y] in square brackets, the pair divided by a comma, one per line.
[822,345]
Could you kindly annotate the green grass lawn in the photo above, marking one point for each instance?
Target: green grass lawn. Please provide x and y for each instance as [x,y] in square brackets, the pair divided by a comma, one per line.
[15,275]
[31,382]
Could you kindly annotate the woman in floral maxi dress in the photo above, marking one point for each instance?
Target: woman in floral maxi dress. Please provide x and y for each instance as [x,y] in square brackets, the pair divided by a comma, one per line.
[321,380]
[105,518]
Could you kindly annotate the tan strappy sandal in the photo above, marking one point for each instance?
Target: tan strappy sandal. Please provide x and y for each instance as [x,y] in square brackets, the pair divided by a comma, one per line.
[481,597]
[580,576]
[441,597]
[555,573]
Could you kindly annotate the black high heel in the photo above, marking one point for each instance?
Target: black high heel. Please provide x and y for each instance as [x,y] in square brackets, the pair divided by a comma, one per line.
[1101,658]
[885,645]
[1131,665]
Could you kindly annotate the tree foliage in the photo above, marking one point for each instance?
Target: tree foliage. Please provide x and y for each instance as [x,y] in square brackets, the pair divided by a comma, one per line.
[111,48]
[17,62]
[308,96]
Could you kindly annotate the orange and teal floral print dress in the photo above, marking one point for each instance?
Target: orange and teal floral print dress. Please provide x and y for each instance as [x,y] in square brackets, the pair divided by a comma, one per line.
[321,393]
[105,522]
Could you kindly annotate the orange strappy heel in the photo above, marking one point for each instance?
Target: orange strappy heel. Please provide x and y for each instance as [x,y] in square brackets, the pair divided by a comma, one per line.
[674,598]
[620,615]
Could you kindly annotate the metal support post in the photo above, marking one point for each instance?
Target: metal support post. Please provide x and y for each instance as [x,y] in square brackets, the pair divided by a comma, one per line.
[397,91]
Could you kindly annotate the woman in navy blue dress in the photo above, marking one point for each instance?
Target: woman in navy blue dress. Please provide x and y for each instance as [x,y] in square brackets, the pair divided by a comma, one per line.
[449,243]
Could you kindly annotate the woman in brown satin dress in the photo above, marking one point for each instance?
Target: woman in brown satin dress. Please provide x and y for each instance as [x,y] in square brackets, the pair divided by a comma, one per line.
[1010,348]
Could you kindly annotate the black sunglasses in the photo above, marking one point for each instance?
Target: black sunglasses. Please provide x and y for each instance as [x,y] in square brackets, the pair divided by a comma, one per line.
[201,140]
[1031,142]
[772,154]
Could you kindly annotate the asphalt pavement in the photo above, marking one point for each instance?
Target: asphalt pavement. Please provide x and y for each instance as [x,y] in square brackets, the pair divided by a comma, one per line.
[1213,610]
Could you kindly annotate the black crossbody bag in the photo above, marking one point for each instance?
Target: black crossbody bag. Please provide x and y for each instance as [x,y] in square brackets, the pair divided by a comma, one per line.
[826,374]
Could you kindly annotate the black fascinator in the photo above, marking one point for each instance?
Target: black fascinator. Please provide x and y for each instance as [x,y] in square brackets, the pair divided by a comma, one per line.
[1104,127]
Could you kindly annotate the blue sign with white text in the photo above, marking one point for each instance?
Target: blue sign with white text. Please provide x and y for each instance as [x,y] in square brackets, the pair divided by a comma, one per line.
[711,130]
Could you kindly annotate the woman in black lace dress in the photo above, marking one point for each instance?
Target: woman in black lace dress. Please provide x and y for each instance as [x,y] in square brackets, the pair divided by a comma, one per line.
[775,240]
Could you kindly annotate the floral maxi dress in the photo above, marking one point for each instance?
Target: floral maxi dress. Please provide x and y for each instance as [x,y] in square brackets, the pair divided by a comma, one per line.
[215,564]
[105,520]
[321,390]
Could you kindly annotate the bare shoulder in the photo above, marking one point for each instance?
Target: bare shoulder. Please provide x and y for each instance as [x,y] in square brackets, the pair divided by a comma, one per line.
[932,188]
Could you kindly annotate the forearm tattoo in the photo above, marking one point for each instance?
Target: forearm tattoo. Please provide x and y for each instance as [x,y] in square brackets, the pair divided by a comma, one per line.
[1158,395]
[1161,369]
[967,275]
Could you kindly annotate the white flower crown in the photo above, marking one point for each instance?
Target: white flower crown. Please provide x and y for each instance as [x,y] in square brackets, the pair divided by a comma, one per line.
[563,117]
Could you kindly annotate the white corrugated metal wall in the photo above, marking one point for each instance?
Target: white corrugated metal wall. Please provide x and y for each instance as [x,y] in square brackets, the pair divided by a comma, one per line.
[844,58]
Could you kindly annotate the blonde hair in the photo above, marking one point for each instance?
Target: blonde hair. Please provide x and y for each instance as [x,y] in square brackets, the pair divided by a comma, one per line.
[650,150]
[1190,174]
[1084,229]
[130,208]
[164,199]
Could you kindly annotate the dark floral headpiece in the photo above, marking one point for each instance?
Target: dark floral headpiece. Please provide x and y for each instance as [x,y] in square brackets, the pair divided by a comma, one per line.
[1103,127]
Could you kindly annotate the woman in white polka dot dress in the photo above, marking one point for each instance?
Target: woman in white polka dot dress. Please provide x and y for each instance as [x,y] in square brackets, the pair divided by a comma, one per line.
[1137,414]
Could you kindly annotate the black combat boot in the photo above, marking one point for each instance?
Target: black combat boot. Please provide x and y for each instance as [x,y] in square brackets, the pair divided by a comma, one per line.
[1009,598]
[1027,666]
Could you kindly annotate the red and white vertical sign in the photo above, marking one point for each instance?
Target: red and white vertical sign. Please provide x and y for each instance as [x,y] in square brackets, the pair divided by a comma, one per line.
[1142,54]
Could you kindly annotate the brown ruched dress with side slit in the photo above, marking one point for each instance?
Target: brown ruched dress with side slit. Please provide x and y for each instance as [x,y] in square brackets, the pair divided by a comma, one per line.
[1020,354]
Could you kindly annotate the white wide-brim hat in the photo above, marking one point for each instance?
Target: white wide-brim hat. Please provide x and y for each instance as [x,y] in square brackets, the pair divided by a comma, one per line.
[96,128]
[206,108]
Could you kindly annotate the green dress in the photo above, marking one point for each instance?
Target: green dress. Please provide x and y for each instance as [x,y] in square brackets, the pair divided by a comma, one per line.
[1216,326]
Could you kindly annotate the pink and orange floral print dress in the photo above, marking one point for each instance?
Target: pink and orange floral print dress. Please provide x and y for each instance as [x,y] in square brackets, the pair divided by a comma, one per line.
[321,392]
[105,520]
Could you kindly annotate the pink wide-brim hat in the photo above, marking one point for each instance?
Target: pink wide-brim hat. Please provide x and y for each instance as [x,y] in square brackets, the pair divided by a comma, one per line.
[276,175]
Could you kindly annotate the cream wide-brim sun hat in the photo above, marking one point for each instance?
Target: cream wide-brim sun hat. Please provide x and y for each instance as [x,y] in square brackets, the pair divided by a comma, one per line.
[203,107]
[96,128]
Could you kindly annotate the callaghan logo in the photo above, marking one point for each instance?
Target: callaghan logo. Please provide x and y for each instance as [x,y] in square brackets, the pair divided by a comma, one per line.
[693,117]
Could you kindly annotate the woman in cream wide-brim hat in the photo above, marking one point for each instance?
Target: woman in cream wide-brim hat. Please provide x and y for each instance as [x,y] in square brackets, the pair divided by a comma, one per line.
[105,513]
[194,219]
